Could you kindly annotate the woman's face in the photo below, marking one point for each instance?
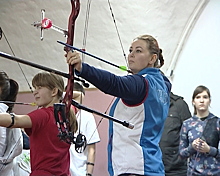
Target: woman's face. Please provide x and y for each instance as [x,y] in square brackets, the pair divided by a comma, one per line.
[140,57]
[202,102]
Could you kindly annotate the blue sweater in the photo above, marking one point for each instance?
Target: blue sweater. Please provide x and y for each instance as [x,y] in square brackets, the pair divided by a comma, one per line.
[143,99]
[131,88]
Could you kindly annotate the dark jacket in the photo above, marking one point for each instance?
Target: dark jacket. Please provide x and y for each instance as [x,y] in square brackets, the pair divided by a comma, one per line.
[169,143]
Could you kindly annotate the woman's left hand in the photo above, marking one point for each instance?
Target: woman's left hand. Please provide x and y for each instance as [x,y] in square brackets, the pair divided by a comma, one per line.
[73,58]
[202,146]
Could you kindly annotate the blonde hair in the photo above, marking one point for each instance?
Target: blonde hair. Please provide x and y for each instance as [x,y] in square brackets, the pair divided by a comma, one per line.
[153,48]
[51,81]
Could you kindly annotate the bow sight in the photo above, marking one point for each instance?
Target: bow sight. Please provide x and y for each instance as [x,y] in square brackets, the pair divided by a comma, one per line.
[46,23]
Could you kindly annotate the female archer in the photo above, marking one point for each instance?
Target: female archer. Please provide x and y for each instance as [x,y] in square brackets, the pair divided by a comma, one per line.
[48,155]
[143,99]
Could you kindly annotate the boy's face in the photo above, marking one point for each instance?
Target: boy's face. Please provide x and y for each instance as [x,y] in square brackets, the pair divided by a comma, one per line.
[77,96]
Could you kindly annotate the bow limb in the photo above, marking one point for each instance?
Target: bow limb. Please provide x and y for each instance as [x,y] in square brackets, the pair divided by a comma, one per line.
[71,26]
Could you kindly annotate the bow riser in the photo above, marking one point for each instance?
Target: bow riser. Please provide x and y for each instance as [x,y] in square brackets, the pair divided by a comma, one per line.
[64,119]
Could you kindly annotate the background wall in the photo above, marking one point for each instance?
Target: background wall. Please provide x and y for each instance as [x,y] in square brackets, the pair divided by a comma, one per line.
[199,63]
[166,20]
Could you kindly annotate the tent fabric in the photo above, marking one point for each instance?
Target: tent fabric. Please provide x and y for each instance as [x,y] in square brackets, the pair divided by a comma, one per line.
[166,20]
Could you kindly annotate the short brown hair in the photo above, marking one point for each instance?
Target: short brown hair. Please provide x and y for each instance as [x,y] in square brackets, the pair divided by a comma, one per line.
[49,80]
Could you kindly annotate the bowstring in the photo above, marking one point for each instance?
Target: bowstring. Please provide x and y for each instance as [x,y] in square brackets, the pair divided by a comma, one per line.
[120,41]
[86,27]
[117,31]
[83,56]
[17,62]
[83,59]
[101,119]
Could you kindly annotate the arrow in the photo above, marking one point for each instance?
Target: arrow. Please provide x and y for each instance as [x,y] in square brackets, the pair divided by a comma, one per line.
[123,68]
[20,103]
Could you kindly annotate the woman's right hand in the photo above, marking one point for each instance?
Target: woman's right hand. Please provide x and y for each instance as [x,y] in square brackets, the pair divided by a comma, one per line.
[73,58]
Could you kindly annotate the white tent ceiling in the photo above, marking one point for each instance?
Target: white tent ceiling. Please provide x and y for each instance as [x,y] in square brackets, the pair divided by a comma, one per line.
[169,21]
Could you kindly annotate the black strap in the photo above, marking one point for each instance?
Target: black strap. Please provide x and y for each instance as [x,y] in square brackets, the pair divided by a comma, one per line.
[12,120]
[89,163]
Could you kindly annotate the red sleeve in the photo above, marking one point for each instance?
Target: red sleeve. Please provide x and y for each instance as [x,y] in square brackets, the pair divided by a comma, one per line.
[39,118]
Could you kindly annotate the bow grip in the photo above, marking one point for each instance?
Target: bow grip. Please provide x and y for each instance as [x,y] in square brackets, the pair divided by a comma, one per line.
[60,108]
[56,113]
